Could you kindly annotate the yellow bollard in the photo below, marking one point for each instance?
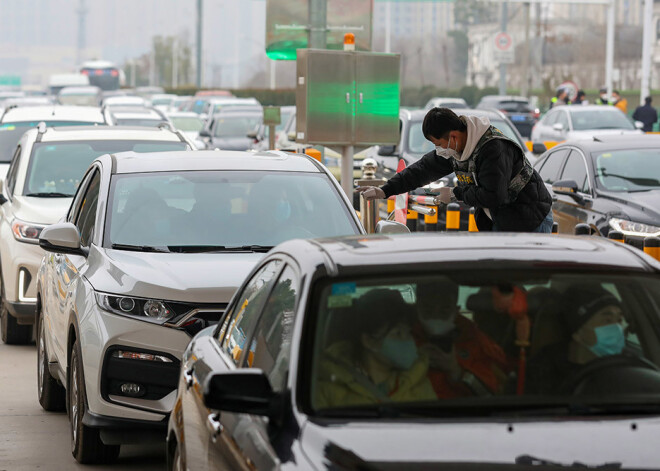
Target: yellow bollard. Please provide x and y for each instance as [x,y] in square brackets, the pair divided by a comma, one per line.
[411,220]
[582,229]
[453,217]
[390,205]
[652,247]
[472,222]
[555,228]
[431,222]
[616,235]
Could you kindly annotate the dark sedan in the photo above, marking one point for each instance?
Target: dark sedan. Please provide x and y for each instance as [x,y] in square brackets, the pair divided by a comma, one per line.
[229,130]
[516,108]
[608,182]
[425,351]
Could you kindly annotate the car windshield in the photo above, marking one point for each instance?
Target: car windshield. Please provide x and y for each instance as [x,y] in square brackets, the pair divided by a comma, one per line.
[161,101]
[484,343]
[196,211]
[56,168]
[49,123]
[187,123]
[149,123]
[9,137]
[599,119]
[417,143]
[628,170]
[236,126]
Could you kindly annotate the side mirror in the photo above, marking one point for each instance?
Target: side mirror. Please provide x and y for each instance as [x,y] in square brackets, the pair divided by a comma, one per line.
[204,133]
[538,148]
[61,238]
[391,227]
[246,391]
[568,188]
[386,150]
[639,125]
[558,127]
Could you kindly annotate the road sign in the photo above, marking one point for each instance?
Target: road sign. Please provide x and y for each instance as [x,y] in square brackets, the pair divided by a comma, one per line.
[504,51]
[571,88]
[287,25]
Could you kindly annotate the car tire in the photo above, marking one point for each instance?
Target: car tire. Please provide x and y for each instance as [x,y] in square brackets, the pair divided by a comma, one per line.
[51,394]
[86,444]
[12,332]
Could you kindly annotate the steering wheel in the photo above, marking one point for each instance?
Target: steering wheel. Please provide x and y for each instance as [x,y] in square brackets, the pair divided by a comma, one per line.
[591,369]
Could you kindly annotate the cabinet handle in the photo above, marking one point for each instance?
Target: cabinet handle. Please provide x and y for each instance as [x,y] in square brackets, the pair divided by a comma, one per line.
[348,97]
[361,97]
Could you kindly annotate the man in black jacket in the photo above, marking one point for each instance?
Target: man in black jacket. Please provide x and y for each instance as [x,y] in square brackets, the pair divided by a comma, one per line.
[493,174]
[646,114]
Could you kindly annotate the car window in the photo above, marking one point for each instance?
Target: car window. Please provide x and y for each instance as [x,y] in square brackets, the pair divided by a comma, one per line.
[237,126]
[13,171]
[455,343]
[271,343]
[551,165]
[605,118]
[86,219]
[417,143]
[575,169]
[551,118]
[78,197]
[514,106]
[248,306]
[563,119]
[507,130]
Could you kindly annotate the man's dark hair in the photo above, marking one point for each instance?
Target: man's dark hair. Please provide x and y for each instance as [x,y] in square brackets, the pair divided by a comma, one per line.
[439,122]
[648,100]
[616,91]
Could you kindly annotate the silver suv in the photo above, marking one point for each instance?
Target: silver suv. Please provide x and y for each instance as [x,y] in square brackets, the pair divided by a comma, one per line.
[45,172]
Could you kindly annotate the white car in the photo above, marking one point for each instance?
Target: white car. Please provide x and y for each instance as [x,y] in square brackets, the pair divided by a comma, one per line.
[188,123]
[150,252]
[125,100]
[582,122]
[47,166]
[134,116]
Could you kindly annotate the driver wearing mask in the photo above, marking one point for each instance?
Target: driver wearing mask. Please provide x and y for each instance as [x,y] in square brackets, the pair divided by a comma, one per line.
[593,320]
[464,361]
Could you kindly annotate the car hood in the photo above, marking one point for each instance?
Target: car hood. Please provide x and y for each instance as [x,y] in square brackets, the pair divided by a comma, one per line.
[195,278]
[40,210]
[591,442]
[641,206]
[232,143]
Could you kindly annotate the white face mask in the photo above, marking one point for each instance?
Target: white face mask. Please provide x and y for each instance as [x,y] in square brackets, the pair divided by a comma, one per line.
[447,153]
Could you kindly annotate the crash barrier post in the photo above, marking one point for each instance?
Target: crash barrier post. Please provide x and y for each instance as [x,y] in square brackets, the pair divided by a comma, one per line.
[555,228]
[431,220]
[652,247]
[427,211]
[391,203]
[411,220]
[472,222]
[616,235]
[582,229]
[453,219]
[369,210]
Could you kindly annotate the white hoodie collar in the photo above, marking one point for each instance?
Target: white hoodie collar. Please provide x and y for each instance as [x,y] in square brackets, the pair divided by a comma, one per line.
[476,127]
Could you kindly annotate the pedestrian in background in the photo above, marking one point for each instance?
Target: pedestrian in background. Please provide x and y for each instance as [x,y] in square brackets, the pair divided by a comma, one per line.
[561,98]
[580,98]
[646,114]
[619,101]
[602,97]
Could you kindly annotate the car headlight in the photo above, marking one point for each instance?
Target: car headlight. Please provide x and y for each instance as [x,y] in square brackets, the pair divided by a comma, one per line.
[26,231]
[632,228]
[149,310]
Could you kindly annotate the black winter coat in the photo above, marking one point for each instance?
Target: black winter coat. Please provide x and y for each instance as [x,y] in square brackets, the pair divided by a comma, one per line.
[499,161]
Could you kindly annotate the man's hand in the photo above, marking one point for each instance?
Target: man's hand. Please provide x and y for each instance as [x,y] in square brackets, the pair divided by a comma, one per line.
[371,192]
[445,194]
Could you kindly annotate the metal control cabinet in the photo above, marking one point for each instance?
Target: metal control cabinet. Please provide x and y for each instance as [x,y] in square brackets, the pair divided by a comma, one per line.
[347,98]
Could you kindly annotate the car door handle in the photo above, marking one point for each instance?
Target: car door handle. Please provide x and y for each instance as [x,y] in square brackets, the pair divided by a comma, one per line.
[188,377]
[213,425]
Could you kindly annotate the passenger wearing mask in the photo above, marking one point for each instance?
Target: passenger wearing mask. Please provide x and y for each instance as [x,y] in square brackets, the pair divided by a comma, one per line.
[379,363]
[463,360]
[580,98]
[602,97]
[561,98]
[593,323]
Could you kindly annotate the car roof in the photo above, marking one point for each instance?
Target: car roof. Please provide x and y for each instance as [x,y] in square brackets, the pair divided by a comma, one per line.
[54,113]
[419,114]
[271,161]
[504,98]
[614,141]
[579,108]
[353,254]
[106,133]
[182,114]
[80,89]
[134,112]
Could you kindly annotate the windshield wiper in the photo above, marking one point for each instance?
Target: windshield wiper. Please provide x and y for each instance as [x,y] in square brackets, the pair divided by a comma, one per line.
[139,248]
[46,194]
[218,248]
[249,248]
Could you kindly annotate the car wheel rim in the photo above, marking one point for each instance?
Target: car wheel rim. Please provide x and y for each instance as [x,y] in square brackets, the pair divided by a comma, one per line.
[74,402]
[41,366]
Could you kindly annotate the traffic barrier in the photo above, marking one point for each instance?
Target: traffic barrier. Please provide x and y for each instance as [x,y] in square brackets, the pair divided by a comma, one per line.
[550,144]
[390,204]
[431,221]
[555,228]
[453,221]
[582,229]
[652,247]
[472,222]
[411,220]
[616,235]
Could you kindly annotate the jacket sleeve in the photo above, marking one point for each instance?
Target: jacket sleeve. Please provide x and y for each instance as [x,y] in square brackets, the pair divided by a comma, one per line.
[426,170]
[493,176]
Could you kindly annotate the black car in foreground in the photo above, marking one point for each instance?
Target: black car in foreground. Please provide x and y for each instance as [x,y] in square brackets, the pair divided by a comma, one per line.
[429,351]
[610,182]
